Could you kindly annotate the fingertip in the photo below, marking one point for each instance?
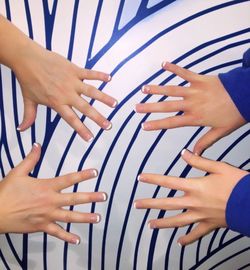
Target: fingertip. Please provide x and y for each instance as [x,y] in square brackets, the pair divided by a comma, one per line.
[76,241]
[165,64]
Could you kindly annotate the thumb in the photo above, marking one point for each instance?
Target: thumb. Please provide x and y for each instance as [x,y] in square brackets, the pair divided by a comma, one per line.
[29,114]
[28,164]
[208,139]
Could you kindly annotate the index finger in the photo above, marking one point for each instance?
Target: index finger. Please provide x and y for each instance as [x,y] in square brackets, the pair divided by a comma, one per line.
[88,74]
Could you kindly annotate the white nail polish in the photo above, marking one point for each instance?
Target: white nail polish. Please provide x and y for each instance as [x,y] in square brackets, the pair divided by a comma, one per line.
[104,196]
[98,219]
[134,205]
[95,173]
[115,104]
[109,127]
[183,151]
[18,128]
[35,144]
[139,177]
[149,226]
[109,78]
[77,242]
[196,154]
[179,244]
[90,139]
[163,63]
[142,126]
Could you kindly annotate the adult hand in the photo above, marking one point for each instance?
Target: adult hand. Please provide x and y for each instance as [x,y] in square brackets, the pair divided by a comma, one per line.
[30,205]
[47,78]
[205,198]
[204,103]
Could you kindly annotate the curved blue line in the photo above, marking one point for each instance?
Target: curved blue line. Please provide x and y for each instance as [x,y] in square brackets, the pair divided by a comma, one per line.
[4,261]
[244,266]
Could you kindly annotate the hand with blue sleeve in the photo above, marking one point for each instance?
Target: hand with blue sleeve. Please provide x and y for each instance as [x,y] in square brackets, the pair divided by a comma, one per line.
[219,102]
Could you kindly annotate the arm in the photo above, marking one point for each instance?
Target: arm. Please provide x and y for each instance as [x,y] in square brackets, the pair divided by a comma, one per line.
[212,201]
[204,103]
[49,79]
[30,205]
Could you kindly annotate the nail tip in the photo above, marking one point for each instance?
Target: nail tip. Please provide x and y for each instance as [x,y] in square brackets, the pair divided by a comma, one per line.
[105,197]
[18,128]
[90,139]
[98,219]
[94,172]
[115,104]
[183,151]
[179,244]
[109,126]
[77,242]
[36,144]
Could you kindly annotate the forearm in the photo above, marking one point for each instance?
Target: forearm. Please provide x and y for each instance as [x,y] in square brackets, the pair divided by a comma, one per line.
[13,43]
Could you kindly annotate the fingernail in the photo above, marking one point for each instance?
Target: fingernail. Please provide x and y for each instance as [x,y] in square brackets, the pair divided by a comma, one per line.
[179,244]
[183,151]
[105,197]
[196,154]
[139,177]
[98,218]
[145,89]
[165,64]
[150,226]
[135,205]
[145,126]
[107,125]
[18,128]
[89,138]
[109,78]
[35,145]
[94,172]
[76,241]
[115,104]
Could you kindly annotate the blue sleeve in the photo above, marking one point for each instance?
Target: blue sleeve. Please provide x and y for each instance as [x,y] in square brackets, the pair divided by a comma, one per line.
[238,207]
[237,84]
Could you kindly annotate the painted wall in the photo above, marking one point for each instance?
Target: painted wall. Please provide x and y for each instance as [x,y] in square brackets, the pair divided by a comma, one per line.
[129,39]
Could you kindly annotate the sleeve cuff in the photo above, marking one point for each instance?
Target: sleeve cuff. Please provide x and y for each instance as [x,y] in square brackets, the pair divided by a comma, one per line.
[238,207]
[237,84]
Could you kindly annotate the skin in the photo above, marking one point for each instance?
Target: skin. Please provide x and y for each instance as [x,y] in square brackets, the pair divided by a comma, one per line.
[205,102]
[49,79]
[36,205]
[205,198]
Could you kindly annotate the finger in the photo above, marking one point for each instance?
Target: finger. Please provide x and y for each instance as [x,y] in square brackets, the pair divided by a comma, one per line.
[93,75]
[57,231]
[84,107]
[75,217]
[169,122]
[201,163]
[167,181]
[71,179]
[200,230]
[171,90]
[29,115]
[164,106]
[73,120]
[92,92]
[179,220]
[76,198]
[185,74]
[28,164]
[212,136]
[174,203]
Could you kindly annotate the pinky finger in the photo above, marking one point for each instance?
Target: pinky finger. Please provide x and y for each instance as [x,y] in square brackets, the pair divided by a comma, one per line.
[200,230]
[58,232]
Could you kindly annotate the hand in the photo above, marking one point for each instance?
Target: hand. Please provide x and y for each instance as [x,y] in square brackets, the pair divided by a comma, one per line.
[30,205]
[204,198]
[204,103]
[49,79]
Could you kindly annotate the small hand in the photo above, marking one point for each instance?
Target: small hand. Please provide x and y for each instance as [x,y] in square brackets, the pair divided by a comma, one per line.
[204,198]
[204,103]
[47,78]
[30,205]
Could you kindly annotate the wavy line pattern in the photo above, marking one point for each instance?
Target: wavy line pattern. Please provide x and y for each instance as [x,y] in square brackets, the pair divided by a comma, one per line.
[129,39]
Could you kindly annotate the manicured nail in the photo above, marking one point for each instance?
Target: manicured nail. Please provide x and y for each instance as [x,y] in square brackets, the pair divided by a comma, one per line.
[183,151]
[98,219]
[145,126]
[76,241]
[109,78]
[115,104]
[145,89]
[151,226]
[196,154]
[135,205]
[139,177]
[18,128]
[36,144]
[89,138]
[164,64]
[105,197]
[94,172]
[179,244]
[107,125]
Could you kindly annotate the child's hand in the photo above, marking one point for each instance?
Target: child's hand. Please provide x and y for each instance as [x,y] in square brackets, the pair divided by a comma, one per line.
[205,198]
[204,103]
[36,205]
[49,79]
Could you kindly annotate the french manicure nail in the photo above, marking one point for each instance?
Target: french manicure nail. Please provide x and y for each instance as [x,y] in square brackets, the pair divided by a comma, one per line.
[94,172]
[107,125]
[115,104]
[183,151]
[98,219]
[35,144]
[91,138]
[145,89]
[105,197]
[18,128]
[109,78]
[163,64]
[139,177]
[179,244]
[143,126]
[76,241]
[135,205]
